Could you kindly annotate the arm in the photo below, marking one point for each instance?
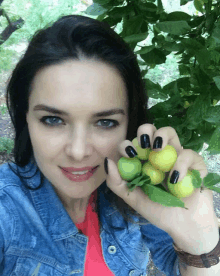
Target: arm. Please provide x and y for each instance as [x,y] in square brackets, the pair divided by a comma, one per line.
[203,245]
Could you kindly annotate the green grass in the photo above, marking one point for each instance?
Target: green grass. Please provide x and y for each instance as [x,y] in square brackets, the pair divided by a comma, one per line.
[6,144]
[3,109]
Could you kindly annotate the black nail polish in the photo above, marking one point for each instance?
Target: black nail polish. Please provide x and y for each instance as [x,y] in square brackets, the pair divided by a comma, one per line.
[106,165]
[174,177]
[145,141]
[158,143]
[131,152]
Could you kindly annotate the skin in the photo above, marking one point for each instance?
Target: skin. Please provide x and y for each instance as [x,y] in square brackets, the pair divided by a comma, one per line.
[82,89]
[77,140]
[190,229]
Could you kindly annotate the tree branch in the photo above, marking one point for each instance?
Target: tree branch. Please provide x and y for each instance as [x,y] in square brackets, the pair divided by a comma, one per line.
[10,29]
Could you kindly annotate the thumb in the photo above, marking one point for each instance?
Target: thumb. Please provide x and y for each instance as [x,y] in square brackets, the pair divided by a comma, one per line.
[113,179]
[119,186]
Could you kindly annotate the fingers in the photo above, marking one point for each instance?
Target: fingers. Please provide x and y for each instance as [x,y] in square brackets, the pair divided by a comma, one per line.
[168,135]
[189,160]
[143,129]
[146,129]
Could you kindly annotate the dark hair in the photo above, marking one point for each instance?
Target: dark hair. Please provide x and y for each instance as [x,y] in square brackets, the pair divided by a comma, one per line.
[74,37]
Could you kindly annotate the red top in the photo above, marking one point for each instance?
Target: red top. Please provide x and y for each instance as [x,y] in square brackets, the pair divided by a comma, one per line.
[90,227]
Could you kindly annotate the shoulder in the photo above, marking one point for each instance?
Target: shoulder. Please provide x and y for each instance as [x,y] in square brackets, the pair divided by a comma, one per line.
[8,176]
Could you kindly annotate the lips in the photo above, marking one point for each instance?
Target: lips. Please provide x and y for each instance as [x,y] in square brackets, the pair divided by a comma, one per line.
[79,178]
[71,169]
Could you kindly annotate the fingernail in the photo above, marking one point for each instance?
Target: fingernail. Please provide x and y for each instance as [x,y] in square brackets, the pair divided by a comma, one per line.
[131,152]
[158,143]
[145,141]
[106,165]
[174,177]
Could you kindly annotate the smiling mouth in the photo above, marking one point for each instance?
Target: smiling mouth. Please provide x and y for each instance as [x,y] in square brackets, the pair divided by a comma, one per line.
[80,172]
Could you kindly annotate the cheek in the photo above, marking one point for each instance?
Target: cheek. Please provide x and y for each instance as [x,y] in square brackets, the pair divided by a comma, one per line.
[43,143]
[111,148]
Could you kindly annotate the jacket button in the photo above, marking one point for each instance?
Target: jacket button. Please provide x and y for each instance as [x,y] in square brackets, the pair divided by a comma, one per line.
[132,272]
[112,249]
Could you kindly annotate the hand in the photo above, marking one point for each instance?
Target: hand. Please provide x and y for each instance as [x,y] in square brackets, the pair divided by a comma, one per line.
[199,222]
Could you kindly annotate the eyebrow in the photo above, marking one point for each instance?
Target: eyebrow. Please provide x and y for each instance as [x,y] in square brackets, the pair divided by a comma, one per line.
[60,112]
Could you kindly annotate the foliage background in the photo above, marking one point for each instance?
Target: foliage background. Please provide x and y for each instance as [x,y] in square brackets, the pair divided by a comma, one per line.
[180,61]
[178,48]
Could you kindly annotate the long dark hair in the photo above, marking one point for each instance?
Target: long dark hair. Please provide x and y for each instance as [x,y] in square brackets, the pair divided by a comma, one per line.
[74,37]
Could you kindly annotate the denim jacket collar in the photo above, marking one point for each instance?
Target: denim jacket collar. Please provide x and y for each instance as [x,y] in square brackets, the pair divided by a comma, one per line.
[60,226]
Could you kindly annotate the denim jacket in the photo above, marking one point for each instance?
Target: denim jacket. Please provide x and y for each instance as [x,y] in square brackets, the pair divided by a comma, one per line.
[38,237]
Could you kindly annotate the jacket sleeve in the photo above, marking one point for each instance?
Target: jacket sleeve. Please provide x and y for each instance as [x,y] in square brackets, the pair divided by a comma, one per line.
[161,248]
[1,253]
[6,227]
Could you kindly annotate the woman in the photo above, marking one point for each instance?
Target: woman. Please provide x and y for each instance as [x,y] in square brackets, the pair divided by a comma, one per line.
[75,98]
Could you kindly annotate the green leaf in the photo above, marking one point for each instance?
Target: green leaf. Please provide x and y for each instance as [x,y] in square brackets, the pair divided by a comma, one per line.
[184,69]
[216,189]
[178,16]
[192,44]
[111,21]
[197,110]
[214,144]
[196,180]
[203,57]
[160,8]
[154,57]
[140,180]
[132,26]
[135,38]
[213,114]
[164,198]
[161,187]
[120,12]
[145,50]
[184,2]
[198,4]
[154,90]
[172,46]
[168,107]
[184,83]
[211,179]
[174,27]
[215,56]
[146,6]
[217,81]
[101,2]
[171,88]
[216,34]
[95,9]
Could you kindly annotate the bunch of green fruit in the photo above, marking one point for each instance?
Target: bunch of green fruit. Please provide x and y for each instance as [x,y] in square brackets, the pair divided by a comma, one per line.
[148,170]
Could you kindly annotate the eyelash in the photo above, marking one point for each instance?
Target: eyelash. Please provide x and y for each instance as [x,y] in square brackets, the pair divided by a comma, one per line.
[43,120]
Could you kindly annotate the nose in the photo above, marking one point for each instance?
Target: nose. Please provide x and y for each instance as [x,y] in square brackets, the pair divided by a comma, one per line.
[78,144]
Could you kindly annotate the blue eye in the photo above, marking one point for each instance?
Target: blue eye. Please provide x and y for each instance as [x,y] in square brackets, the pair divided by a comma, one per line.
[114,123]
[43,120]
[51,121]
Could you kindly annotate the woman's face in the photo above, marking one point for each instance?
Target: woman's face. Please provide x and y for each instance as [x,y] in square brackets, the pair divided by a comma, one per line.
[76,136]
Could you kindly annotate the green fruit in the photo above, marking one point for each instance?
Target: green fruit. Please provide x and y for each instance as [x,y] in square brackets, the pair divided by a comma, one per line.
[165,159]
[198,4]
[143,154]
[129,168]
[156,176]
[182,188]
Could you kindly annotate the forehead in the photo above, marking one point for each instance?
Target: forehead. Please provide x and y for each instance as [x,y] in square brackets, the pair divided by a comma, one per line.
[81,82]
